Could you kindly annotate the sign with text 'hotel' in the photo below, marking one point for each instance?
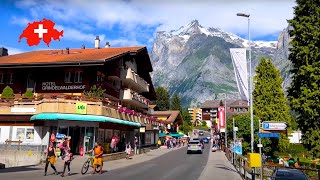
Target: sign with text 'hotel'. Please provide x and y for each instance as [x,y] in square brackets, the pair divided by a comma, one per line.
[51,86]
[81,108]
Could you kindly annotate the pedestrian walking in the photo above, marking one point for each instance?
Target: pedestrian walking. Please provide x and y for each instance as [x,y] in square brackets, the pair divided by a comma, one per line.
[51,158]
[67,160]
[136,145]
[128,150]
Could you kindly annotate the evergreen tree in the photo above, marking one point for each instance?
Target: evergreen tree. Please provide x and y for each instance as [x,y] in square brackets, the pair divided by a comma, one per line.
[163,99]
[176,103]
[304,93]
[269,99]
[187,124]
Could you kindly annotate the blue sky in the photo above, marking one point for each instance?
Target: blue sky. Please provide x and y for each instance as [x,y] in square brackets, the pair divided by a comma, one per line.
[135,22]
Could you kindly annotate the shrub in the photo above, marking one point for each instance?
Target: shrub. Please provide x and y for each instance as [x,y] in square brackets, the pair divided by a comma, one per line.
[28,94]
[7,93]
[95,92]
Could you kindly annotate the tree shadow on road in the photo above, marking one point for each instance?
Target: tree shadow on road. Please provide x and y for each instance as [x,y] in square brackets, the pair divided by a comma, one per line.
[19,169]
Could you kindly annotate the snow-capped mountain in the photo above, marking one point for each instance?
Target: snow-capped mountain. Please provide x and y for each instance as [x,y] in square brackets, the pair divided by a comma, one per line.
[195,61]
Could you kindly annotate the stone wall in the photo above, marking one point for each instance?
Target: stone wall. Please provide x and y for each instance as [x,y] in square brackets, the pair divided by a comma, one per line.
[14,158]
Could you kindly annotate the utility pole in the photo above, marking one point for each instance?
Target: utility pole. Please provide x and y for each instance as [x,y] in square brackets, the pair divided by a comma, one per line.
[260,151]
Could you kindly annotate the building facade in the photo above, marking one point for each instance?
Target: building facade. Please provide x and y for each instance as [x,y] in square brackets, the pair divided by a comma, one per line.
[196,114]
[90,95]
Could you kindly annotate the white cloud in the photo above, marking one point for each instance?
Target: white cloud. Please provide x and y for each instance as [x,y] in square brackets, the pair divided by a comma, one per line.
[267,17]
[12,50]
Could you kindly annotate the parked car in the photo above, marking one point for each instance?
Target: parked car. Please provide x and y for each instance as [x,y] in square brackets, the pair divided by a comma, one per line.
[195,146]
[288,174]
[209,137]
[214,148]
[205,140]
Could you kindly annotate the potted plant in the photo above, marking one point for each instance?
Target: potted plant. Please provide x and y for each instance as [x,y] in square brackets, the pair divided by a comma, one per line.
[27,96]
[7,94]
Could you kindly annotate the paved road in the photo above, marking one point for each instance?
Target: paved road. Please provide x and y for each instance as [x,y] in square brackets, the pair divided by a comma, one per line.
[174,165]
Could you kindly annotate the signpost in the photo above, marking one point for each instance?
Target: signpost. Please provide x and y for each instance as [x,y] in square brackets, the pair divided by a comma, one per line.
[268,135]
[274,126]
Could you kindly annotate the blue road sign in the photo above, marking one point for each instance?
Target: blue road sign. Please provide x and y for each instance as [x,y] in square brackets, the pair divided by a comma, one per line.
[265,125]
[268,135]
[238,150]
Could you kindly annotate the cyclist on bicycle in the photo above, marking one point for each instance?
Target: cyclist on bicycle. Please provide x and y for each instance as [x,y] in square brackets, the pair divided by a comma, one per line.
[98,152]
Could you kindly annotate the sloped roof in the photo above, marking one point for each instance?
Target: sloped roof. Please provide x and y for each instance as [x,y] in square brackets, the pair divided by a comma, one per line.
[172,116]
[60,56]
[239,103]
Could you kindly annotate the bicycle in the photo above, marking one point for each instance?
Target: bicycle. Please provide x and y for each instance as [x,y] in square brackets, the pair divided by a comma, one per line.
[89,162]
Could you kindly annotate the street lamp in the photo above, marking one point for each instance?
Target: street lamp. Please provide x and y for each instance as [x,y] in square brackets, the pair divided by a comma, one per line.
[250,81]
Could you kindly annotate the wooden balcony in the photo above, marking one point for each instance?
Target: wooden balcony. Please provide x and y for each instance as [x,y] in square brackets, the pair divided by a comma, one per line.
[132,79]
[60,105]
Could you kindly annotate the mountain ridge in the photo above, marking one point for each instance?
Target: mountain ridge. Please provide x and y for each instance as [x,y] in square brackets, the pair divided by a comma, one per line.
[195,62]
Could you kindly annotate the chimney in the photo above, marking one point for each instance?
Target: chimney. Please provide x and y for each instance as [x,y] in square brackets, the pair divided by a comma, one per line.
[83,47]
[97,43]
[67,50]
[3,52]
[107,45]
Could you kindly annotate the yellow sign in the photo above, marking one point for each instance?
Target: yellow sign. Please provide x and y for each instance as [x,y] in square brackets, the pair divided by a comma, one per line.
[254,160]
[81,108]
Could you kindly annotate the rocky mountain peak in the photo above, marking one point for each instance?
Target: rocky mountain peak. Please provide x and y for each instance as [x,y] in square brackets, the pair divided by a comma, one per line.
[195,62]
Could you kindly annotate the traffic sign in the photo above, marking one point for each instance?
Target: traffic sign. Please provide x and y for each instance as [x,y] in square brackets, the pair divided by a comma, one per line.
[274,126]
[268,135]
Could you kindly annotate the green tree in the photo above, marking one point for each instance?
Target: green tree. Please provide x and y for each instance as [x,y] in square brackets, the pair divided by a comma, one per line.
[7,93]
[187,124]
[176,103]
[163,99]
[269,99]
[304,92]
[242,121]
[204,123]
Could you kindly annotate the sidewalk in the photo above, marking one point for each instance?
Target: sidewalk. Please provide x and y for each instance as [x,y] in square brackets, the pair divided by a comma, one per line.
[36,172]
[219,167]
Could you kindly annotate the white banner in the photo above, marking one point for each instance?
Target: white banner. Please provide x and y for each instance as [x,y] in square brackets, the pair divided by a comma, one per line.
[239,61]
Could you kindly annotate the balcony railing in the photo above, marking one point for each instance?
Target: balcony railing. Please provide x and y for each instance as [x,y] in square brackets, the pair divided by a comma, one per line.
[133,78]
[129,94]
[109,88]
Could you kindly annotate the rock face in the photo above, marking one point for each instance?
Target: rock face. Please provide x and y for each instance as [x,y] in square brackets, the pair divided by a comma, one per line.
[195,62]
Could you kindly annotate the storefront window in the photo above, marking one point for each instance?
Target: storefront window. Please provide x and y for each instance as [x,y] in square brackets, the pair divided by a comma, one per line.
[20,134]
[30,134]
[63,130]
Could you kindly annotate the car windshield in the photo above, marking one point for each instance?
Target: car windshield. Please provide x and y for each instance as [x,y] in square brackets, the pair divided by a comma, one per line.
[194,142]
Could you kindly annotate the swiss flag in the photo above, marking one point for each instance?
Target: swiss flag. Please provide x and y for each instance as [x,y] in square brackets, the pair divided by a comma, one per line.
[40,30]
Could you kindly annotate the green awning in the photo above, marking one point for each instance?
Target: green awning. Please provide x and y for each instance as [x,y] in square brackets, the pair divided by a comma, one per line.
[176,135]
[79,117]
[162,134]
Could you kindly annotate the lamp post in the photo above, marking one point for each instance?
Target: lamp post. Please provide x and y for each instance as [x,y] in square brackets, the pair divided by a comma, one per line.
[250,81]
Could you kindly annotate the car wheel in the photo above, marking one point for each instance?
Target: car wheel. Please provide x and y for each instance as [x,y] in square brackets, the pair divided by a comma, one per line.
[188,152]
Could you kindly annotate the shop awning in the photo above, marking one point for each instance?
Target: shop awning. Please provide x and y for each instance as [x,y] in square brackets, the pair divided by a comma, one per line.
[162,134]
[78,117]
[176,134]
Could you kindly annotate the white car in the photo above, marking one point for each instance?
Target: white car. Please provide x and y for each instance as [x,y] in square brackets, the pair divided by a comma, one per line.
[214,148]
[195,146]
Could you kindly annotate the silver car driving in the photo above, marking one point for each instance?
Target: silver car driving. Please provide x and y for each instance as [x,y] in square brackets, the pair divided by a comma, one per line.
[195,146]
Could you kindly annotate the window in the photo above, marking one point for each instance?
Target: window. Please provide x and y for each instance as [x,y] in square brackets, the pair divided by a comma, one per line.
[1,78]
[10,78]
[67,77]
[78,77]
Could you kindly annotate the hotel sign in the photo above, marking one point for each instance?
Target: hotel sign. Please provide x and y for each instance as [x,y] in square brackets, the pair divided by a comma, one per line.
[52,86]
